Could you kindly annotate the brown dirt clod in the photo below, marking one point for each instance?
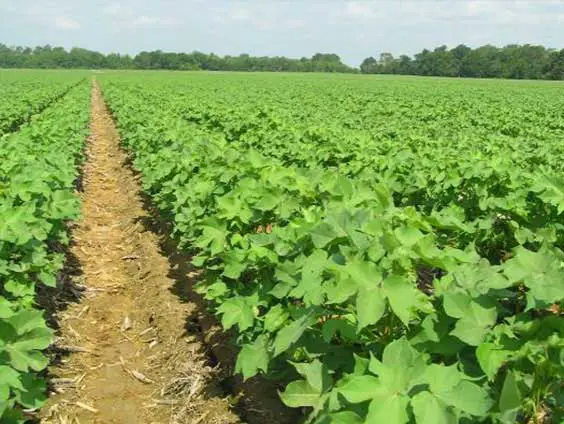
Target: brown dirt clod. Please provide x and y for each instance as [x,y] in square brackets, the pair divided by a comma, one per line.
[132,360]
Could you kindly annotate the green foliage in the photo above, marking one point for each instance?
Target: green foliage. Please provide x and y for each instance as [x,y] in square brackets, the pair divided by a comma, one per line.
[395,247]
[24,95]
[38,169]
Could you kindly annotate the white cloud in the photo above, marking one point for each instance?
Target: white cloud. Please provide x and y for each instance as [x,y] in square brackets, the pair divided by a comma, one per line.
[62,22]
[113,9]
[150,21]
[241,15]
[125,18]
[296,24]
[362,10]
[257,20]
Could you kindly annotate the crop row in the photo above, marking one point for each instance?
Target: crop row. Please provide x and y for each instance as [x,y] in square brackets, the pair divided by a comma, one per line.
[26,95]
[502,178]
[38,171]
[405,280]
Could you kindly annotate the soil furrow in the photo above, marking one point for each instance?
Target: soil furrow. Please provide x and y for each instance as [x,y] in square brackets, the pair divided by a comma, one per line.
[131,360]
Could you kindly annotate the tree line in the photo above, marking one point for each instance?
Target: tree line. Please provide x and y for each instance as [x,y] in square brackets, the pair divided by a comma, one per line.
[512,61]
[57,57]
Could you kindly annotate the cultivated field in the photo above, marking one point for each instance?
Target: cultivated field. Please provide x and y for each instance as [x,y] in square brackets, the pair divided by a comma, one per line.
[385,249]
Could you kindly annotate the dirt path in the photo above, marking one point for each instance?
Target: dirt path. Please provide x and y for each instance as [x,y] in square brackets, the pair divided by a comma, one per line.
[135,363]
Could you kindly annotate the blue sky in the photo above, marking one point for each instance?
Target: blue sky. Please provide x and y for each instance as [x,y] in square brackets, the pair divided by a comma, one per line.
[352,29]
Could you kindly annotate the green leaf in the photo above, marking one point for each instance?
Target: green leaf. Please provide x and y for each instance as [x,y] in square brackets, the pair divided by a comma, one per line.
[5,308]
[233,269]
[391,410]
[27,320]
[551,189]
[314,265]
[360,388]
[541,272]
[300,393]
[315,373]
[48,278]
[405,299]
[469,398]
[23,360]
[64,205]
[323,234]
[370,306]
[253,357]
[428,409]
[510,397]
[442,378]
[401,367]
[491,358]
[275,318]
[344,326]
[456,305]
[345,417]
[267,202]
[475,320]
[291,333]
[33,394]
[10,377]
[408,236]
[236,311]
[213,236]
[364,274]
[310,288]
[341,290]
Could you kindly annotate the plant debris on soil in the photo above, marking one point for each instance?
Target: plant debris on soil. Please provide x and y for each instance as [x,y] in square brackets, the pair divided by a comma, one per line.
[123,355]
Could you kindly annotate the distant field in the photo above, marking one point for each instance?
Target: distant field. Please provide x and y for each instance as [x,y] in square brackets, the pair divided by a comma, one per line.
[390,249]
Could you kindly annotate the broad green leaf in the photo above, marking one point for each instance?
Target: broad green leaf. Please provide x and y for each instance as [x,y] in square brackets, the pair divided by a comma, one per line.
[300,393]
[5,308]
[25,321]
[370,306]
[323,234]
[407,235]
[214,237]
[346,417]
[540,271]
[267,202]
[510,397]
[469,398]
[340,290]
[290,334]
[456,305]
[475,319]
[236,311]
[391,410]
[401,367]
[23,359]
[360,388]
[33,394]
[233,269]
[275,318]
[344,326]
[315,373]
[442,378]
[10,377]
[551,189]
[428,409]
[405,299]
[253,357]
[491,358]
